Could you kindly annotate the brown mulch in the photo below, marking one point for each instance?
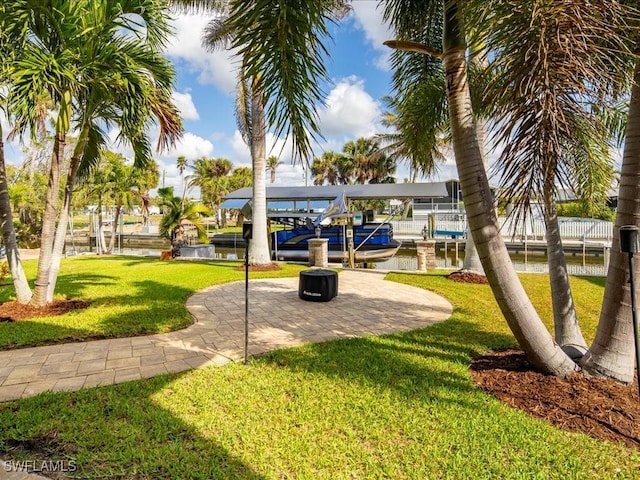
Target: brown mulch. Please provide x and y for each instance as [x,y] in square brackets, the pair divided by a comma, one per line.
[14,312]
[261,268]
[463,276]
[600,408]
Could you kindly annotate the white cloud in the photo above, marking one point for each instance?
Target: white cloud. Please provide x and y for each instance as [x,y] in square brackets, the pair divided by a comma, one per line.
[275,146]
[287,175]
[191,146]
[184,102]
[242,155]
[349,110]
[216,67]
[369,19]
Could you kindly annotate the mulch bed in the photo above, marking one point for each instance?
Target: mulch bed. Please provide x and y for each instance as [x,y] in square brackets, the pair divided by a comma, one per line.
[600,408]
[463,276]
[261,268]
[14,312]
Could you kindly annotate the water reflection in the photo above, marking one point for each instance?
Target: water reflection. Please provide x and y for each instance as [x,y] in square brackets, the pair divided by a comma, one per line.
[406,260]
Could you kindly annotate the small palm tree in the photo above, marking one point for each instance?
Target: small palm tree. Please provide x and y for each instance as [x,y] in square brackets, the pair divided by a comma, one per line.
[272,164]
[177,214]
[182,164]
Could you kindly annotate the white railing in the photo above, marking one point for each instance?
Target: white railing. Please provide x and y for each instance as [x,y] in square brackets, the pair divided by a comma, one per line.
[534,229]
[407,263]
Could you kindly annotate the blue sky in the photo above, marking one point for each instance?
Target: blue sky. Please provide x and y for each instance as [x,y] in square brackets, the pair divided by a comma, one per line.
[358,66]
[205,91]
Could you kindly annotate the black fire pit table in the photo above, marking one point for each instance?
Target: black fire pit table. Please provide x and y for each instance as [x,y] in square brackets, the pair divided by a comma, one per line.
[318,285]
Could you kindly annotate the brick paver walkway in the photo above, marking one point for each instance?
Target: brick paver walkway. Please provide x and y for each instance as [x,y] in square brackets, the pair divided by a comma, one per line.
[366,305]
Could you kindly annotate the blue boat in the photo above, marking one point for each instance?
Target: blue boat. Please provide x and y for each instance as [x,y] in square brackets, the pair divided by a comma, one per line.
[372,242]
[298,206]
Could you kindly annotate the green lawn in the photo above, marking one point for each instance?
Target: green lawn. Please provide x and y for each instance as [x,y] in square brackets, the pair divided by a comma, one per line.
[128,296]
[399,406]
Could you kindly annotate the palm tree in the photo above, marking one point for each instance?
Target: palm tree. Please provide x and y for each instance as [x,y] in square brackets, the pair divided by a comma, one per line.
[419,121]
[18,277]
[9,39]
[508,291]
[76,34]
[210,175]
[272,47]
[421,105]
[144,180]
[326,169]
[272,165]
[612,352]
[177,215]
[182,164]
[360,153]
[410,140]
[240,177]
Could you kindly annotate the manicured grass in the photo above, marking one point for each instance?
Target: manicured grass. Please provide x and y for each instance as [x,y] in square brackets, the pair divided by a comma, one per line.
[128,296]
[399,406]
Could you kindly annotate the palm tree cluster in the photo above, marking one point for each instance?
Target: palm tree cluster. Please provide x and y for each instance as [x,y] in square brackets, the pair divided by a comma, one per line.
[99,65]
[116,184]
[361,161]
[553,66]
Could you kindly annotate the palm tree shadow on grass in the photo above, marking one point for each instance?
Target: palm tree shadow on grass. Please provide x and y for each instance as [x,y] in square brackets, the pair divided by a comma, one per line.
[415,364]
[135,260]
[118,431]
[166,311]
[598,281]
[150,307]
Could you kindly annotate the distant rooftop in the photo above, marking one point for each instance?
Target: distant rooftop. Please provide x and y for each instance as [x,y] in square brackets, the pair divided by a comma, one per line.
[385,191]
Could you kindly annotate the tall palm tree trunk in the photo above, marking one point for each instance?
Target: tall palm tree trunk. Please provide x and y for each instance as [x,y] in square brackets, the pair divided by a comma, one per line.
[116,223]
[65,211]
[612,352]
[61,232]
[49,221]
[565,319]
[19,279]
[514,303]
[472,261]
[259,253]
[407,202]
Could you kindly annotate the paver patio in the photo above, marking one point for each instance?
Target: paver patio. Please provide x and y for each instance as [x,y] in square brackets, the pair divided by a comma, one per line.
[366,305]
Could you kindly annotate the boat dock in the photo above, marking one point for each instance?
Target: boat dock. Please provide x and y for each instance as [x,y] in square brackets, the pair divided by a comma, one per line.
[534,247]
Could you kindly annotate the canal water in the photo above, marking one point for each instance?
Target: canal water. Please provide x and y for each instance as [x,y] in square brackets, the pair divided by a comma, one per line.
[406,260]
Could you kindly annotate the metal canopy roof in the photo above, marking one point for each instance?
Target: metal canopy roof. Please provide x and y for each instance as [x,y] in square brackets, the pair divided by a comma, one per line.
[398,191]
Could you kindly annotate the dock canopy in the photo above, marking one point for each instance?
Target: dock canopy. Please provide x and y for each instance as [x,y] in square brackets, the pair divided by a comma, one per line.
[370,191]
